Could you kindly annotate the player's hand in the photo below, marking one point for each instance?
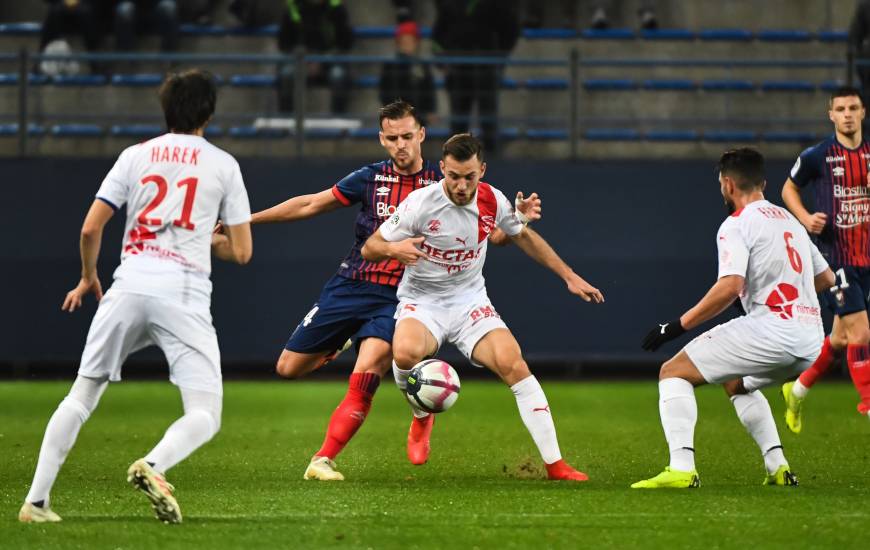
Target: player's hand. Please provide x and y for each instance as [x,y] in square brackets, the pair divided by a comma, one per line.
[219,228]
[661,334]
[530,207]
[815,223]
[407,252]
[74,297]
[577,285]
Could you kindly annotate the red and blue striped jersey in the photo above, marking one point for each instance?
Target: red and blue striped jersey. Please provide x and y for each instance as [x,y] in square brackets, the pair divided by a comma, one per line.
[379,189]
[838,177]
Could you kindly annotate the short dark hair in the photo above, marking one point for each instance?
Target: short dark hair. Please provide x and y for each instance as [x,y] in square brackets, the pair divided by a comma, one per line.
[396,110]
[188,100]
[462,147]
[745,165]
[845,91]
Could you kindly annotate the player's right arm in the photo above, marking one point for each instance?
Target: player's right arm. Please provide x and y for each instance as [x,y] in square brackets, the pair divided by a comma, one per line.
[791,196]
[299,208]
[397,238]
[89,246]
[234,244]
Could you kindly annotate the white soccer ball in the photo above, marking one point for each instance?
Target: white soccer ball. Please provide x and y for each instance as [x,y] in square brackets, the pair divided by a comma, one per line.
[433,386]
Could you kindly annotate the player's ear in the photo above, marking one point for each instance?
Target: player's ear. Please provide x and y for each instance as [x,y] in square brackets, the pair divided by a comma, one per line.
[441,165]
[482,169]
[382,140]
[422,134]
[763,185]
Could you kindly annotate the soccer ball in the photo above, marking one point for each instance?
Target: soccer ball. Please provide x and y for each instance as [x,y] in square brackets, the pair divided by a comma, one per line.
[433,386]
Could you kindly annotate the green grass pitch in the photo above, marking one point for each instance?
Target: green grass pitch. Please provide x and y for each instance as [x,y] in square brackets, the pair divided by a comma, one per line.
[483,487]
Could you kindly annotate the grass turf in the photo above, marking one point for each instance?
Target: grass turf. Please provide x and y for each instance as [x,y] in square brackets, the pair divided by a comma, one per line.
[483,486]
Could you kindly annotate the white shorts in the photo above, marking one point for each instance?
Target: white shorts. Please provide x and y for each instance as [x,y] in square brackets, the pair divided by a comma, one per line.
[127,322]
[461,326]
[750,348]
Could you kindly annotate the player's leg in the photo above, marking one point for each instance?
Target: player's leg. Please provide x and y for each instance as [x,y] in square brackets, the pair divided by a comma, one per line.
[418,336]
[116,331]
[499,351]
[858,355]
[754,413]
[373,361]
[793,393]
[679,413]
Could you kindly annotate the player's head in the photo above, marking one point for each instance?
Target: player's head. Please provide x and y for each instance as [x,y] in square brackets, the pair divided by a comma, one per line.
[846,110]
[741,172]
[462,165]
[401,134]
[188,99]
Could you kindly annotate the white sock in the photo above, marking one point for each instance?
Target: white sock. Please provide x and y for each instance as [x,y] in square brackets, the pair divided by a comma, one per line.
[754,412]
[61,432]
[535,412]
[799,390]
[679,412]
[201,421]
[401,377]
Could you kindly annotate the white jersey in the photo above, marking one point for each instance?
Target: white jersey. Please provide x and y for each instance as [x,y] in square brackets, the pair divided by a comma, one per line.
[455,241]
[767,246]
[175,188]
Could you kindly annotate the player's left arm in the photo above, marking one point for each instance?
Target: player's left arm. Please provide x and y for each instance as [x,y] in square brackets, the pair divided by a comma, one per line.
[89,246]
[540,250]
[528,210]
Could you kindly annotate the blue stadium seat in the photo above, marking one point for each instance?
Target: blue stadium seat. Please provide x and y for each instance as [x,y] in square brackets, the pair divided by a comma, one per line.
[547,83]
[11,79]
[136,130]
[388,31]
[671,135]
[509,83]
[137,80]
[79,80]
[603,84]
[509,134]
[253,80]
[727,85]
[324,133]
[12,130]
[730,136]
[438,133]
[191,29]
[608,34]
[541,134]
[612,134]
[366,133]
[21,29]
[250,132]
[830,85]
[549,34]
[730,35]
[677,84]
[265,30]
[789,136]
[784,35]
[667,34]
[214,130]
[833,36]
[77,130]
[367,81]
[787,86]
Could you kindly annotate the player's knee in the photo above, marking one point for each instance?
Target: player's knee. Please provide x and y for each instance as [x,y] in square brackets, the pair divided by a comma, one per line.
[513,371]
[407,353]
[288,367]
[734,387]
[669,369]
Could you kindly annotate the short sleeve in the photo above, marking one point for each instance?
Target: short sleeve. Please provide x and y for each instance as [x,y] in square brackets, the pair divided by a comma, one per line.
[115,188]
[350,189]
[804,170]
[402,224]
[235,207]
[733,251]
[506,218]
[819,262]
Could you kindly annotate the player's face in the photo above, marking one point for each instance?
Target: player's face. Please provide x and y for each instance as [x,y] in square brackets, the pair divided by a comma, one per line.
[847,113]
[402,138]
[461,178]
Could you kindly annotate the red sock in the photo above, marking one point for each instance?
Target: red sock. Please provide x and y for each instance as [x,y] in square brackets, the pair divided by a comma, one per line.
[823,363]
[350,413]
[859,367]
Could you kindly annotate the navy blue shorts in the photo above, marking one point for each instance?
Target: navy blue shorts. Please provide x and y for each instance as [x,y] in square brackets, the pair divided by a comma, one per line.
[855,297]
[346,307]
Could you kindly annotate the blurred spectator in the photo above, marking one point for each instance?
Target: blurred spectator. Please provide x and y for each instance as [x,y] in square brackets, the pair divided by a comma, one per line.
[318,26]
[482,28]
[65,18]
[405,11]
[257,13]
[859,44]
[601,10]
[142,16]
[409,79]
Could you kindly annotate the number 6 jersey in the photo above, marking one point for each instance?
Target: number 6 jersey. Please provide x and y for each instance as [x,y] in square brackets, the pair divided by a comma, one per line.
[767,246]
[175,187]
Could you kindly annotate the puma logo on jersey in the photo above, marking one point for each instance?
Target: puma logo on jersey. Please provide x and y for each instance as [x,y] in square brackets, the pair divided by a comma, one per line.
[461,241]
[542,409]
[664,326]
